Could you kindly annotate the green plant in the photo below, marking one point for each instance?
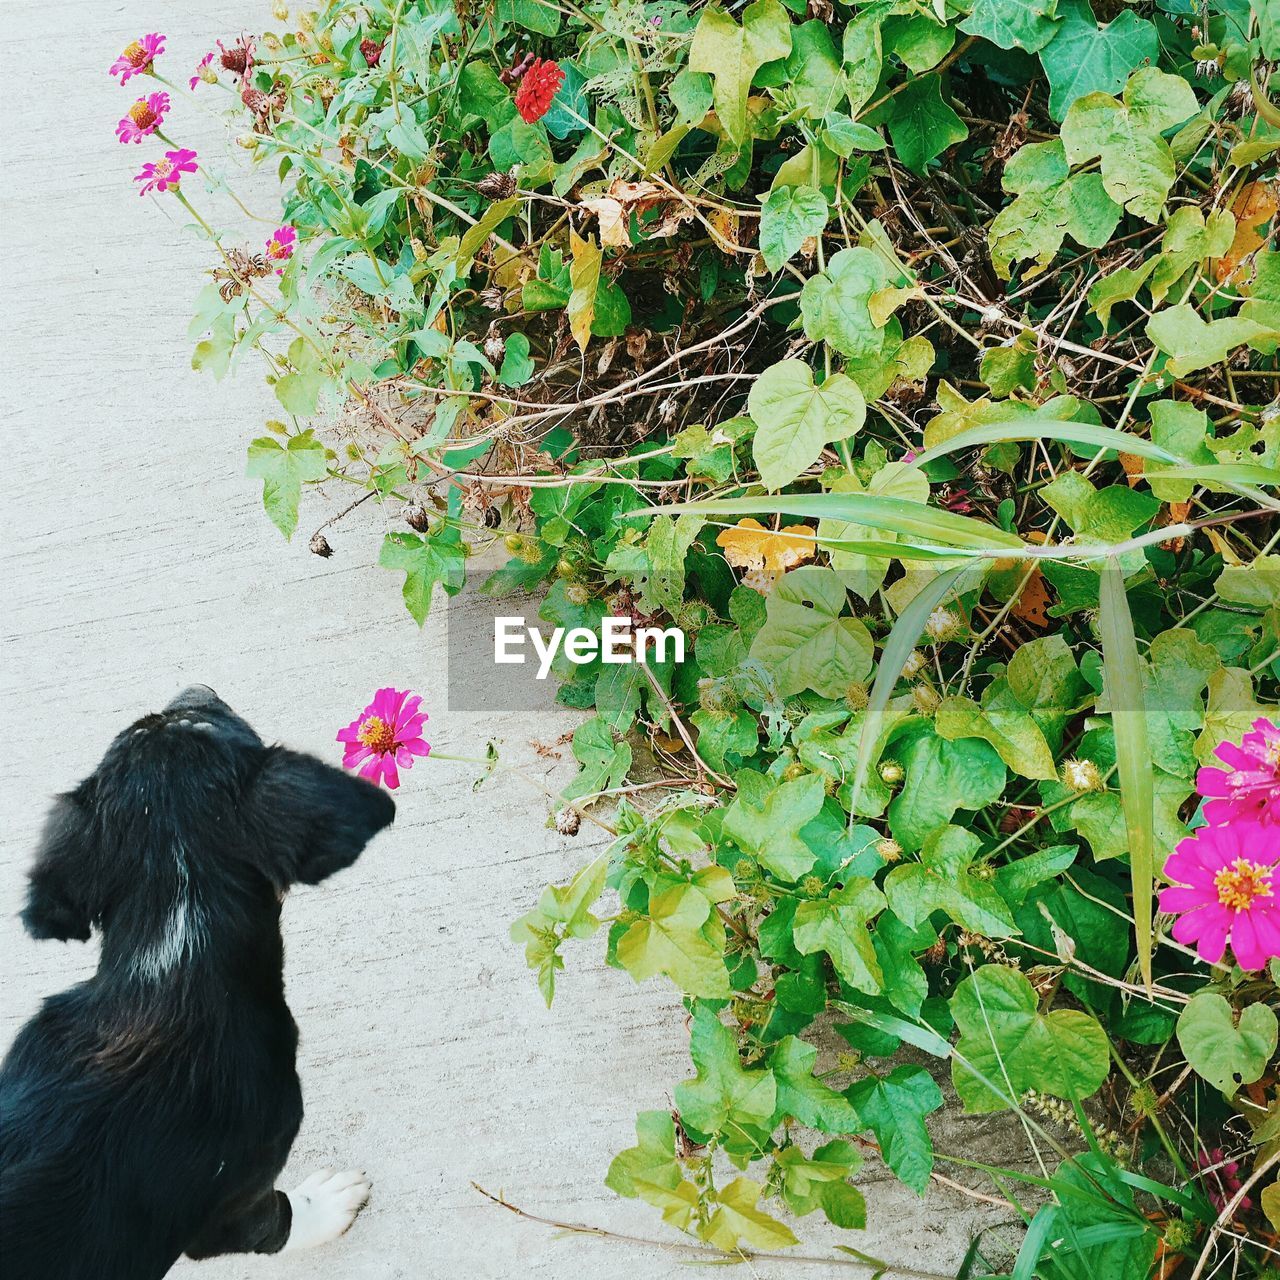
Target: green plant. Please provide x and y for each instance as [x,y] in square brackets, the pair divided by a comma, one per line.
[919,361]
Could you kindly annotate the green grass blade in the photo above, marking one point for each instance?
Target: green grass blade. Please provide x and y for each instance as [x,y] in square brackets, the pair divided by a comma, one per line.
[897,515]
[893,657]
[1239,478]
[1123,675]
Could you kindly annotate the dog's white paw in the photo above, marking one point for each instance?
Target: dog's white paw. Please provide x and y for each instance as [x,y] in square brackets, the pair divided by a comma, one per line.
[324,1206]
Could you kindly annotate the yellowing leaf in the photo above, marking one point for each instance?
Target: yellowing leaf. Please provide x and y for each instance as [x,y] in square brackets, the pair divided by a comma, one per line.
[749,545]
[732,55]
[584,277]
[1255,205]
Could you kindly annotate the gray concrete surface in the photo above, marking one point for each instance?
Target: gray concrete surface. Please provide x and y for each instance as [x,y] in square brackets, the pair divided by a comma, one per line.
[137,559]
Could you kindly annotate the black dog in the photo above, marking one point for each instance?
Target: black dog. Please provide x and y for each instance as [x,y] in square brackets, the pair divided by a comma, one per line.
[146,1112]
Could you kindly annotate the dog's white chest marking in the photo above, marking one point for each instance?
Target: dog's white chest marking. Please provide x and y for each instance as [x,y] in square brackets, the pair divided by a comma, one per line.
[183,932]
[324,1206]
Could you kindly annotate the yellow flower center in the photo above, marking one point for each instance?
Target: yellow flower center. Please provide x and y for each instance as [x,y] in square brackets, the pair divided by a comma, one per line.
[275,249]
[163,169]
[377,735]
[142,115]
[1239,884]
[135,53]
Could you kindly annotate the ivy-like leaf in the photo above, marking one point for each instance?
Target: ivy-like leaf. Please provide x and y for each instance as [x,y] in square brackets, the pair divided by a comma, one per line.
[806,642]
[1137,165]
[837,924]
[795,419]
[1009,1046]
[283,468]
[1083,57]
[670,939]
[1013,24]
[921,125]
[739,1220]
[1226,1050]
[723,1092]
[788,217]
[804,1097]
[894,1107]
[651,1162]
[433,559]
[1193,343]
[942,777]
[836,303]
[1051,204]
[765,820]
[944,880]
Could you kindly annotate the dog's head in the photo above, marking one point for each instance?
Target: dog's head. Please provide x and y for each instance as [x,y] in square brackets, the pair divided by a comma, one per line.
[190,801]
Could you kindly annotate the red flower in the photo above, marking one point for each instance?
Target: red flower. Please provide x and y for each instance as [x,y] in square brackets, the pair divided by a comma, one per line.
[538,86]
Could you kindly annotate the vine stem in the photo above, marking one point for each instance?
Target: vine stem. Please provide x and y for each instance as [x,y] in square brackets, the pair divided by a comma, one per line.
[704,1251]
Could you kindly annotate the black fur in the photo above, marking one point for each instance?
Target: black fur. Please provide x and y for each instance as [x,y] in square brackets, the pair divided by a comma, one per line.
[146,1112]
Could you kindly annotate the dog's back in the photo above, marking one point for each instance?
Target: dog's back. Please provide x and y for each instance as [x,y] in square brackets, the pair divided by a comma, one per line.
[146,1112]
[121,1131]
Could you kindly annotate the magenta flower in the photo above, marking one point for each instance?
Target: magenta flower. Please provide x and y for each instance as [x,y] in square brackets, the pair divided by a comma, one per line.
[1250,788]
[204,71]
[387,734]
[166,173]
[281,244]
[1221,1179]
[1224,891]
[136,58]
[143,118]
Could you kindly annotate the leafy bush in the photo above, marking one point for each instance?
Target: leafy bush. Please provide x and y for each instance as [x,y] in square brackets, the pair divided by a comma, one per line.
[918,360]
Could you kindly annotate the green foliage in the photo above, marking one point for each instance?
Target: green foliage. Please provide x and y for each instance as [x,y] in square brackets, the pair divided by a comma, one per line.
[919,362]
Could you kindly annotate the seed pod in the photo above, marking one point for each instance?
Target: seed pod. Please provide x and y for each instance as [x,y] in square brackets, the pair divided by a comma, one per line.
[319,545]
[416,518]
[497,186]
[568,822]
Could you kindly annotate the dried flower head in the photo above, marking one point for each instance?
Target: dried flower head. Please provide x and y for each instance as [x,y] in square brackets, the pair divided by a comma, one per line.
[239,58]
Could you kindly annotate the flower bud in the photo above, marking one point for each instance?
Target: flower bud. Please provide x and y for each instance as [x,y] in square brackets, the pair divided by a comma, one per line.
[926,699]
[891,773]
[913,665]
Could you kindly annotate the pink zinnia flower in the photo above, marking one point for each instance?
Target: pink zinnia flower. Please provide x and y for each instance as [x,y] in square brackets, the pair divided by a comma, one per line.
[387,734]
[203,72]
[282,243]
[1250,788]
[136,59]
[143,118]
[166,173]
[1224,882]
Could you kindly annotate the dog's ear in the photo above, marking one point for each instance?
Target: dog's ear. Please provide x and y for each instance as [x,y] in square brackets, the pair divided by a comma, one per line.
[311,818]
[63,885]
